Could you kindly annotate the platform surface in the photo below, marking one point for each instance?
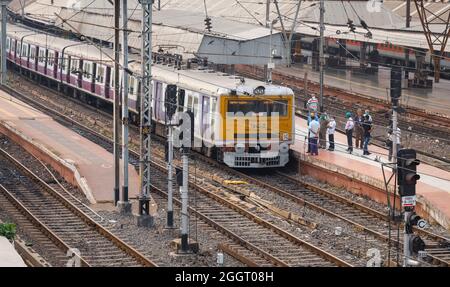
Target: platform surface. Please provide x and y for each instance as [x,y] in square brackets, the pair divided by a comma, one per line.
[8,255]
[94,163]
[433,186]
[376,86]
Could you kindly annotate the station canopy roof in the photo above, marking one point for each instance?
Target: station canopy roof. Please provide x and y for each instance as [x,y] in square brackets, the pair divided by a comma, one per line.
[180,31]
[181,22]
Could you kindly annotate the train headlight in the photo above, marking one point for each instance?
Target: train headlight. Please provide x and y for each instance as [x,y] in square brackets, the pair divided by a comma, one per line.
[284,148]
[240,148]
[285,136]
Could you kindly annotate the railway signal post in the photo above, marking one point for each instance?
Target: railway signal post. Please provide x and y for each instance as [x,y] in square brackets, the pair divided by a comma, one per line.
[407,177]
[144,218]
[171,107]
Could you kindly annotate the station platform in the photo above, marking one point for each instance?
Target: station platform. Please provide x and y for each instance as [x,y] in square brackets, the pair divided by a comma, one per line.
[433,188]
[9,257]
[377,85]
[80,161]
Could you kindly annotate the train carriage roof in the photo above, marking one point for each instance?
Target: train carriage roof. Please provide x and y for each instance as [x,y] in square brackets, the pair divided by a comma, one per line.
[207,81]
[73,48]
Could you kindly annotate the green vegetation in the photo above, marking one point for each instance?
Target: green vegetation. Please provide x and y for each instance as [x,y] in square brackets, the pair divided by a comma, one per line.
[8,230]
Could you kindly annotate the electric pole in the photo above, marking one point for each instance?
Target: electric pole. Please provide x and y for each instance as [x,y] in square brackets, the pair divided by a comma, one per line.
[144,218]
[125,205]
[267,13]
[321,57]
[3,77]
[408,24]
[171,108]
[116,113]
[396,92]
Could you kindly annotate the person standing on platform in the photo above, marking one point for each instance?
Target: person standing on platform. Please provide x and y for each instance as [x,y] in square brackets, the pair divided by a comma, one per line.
[359,131]
[313,104]
[349,131]
[314,128]
[367,126]
[323,131]
[330,130]
[311,115]
[367,112]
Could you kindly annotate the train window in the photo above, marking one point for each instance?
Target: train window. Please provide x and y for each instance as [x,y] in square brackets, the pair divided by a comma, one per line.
[13,44]
[131,83]
[32,53]
[24,50]
[87,71]
[74,66]
[189,102]
[41,56]
[19,46]
[259,106]
[100,73]
[112,78]
[181,94]
[50,58]
[195,110]
[8,44]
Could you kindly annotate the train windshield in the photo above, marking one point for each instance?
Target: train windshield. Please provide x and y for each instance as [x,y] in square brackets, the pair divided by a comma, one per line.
[259,106]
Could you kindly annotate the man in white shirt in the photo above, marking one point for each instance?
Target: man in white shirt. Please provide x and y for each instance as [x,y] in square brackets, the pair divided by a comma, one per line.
[314,127]
[349,131]
[331,128]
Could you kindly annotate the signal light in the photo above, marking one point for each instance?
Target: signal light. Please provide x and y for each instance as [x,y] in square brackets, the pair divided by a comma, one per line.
[416,244]
[407,172]
[396,84]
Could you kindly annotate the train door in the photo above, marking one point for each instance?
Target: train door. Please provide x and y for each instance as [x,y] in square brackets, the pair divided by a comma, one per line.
[32,58]
[55,65]
[206,115]
[107,82]
[80,74]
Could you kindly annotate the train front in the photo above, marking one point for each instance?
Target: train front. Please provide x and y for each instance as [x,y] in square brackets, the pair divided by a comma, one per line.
[258,126]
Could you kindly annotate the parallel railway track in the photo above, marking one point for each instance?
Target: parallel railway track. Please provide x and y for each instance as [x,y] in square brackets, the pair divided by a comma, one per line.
[347,210]
[248,230]
[63,223]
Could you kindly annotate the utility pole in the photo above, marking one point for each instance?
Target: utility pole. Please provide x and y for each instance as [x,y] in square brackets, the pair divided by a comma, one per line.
[270,65]
[125,205]
[396,92]
[408,24]
[170,178]
[267,13]
[116,113]
[144,218]
[321,57]
[3,77]
[171,108]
